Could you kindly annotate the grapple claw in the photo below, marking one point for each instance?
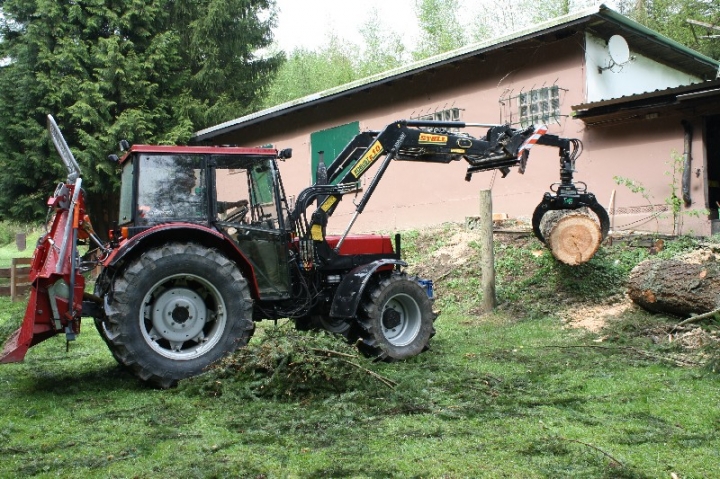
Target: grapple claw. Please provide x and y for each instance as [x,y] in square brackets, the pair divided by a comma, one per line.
[564,201]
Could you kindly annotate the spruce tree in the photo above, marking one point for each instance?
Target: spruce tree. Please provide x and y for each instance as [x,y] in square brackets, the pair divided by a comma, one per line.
[149,71]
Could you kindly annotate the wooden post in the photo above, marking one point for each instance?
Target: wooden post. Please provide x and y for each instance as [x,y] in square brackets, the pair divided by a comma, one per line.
[18,277]
[487,257]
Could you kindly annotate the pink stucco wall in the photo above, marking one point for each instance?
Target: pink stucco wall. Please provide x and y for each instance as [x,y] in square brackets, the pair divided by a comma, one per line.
[413,195]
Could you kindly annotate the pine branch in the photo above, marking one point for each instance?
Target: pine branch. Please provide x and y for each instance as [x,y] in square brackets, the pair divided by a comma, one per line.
[388,382]
[612,458]
[698,317]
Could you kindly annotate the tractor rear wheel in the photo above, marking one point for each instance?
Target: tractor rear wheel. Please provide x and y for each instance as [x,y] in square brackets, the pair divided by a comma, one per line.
[175,310]
[396,319]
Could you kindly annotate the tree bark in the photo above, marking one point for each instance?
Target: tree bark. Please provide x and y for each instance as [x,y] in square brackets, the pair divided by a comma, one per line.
[676,287]
[573,237]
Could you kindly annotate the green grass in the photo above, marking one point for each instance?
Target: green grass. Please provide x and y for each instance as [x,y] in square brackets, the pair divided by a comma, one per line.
[511,394]
[9,250]
[493,398]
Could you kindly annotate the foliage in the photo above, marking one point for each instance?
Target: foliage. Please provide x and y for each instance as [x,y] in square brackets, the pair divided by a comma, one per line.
[669,17]
[383,48]
[439,27]
[9,230]
[307,72]
[288,365]
[674,197]
[143,70]
[336,63]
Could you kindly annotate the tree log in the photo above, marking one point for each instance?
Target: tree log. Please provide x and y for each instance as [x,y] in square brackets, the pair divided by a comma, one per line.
[676,287]
[573,237]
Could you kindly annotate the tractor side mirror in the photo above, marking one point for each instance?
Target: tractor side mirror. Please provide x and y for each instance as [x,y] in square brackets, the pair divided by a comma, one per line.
[285,154]
[124,145]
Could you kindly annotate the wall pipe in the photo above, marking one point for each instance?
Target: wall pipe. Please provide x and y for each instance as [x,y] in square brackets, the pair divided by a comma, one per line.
[687,161]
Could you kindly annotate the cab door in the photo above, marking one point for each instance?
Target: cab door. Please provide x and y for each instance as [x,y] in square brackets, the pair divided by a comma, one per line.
[252,216]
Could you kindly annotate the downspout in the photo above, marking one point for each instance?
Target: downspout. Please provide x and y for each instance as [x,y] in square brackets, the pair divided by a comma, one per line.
[687,160]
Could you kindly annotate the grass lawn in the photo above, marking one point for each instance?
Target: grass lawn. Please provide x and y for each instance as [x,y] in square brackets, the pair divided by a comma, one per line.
[495,397]
[9,251]
[516,393]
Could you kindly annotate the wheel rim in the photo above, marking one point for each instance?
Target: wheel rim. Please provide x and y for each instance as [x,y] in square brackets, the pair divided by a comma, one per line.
[183,317]
[401,320]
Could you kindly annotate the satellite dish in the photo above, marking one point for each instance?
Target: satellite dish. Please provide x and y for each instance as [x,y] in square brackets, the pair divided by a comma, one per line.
[618,49]
[619,54]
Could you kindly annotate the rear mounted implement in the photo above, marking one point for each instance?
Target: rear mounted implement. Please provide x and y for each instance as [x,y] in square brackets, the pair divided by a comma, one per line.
[56,296]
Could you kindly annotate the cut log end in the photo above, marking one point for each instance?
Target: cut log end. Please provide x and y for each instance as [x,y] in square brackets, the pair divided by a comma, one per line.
[574,239]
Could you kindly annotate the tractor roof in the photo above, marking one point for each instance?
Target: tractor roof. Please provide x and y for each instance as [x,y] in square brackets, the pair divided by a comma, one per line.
[200,150]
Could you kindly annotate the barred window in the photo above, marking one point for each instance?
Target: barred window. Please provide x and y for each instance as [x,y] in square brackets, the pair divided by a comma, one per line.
[539,106]
[449,114]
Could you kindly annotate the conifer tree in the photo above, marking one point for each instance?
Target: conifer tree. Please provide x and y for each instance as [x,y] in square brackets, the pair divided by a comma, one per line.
[145,70]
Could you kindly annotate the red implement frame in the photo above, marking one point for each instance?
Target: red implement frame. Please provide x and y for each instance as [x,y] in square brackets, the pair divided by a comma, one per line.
[56,280]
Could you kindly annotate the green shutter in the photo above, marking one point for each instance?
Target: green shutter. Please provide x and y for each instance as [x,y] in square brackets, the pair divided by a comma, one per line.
[331,141]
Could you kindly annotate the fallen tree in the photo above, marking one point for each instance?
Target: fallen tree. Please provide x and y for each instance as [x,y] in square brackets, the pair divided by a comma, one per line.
[676,286]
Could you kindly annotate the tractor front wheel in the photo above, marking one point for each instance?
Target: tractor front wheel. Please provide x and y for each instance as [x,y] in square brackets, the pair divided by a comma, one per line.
[396,318]
[176,310]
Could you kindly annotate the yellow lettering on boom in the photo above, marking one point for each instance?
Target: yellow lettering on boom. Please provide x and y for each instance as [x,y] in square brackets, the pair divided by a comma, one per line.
[431,139]
[367,159]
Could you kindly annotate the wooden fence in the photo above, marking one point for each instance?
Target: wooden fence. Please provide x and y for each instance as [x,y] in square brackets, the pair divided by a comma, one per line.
[19,275]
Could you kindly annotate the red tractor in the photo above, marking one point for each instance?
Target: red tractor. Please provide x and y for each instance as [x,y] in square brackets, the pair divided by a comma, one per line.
[192,267]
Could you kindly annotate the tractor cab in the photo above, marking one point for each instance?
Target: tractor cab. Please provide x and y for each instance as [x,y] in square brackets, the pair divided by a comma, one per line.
[202,185]
[234,191]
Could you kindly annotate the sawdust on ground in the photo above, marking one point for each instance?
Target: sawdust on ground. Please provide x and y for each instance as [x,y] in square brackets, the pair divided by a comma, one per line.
[594,317]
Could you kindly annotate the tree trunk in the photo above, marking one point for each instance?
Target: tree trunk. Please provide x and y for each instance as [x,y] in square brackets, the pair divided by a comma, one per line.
[573,237]
[676,287]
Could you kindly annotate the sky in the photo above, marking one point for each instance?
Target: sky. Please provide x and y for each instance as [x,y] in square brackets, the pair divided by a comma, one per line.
[307,23]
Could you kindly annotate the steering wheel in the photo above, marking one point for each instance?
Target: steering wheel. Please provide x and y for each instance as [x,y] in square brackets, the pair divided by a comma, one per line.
[238,216]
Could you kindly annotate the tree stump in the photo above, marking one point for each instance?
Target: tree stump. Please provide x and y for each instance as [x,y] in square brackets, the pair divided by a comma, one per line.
[572,236]
[676,287]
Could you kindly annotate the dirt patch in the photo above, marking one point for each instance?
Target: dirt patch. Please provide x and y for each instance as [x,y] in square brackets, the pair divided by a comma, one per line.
[594,317]
[445,249]
[457,249]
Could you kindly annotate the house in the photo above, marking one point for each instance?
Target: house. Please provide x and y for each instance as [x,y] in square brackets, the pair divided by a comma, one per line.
[637,100]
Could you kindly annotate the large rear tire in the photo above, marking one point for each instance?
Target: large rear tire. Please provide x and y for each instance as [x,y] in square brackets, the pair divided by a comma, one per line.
[176,310]
[396,319]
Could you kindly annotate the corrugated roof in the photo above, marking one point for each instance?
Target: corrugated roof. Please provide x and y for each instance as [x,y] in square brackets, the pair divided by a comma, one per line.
[706,94]
[600,19]
[707,87]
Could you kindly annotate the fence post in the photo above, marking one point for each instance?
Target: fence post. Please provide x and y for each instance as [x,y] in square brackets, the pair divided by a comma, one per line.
[15,279]
[487,258]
